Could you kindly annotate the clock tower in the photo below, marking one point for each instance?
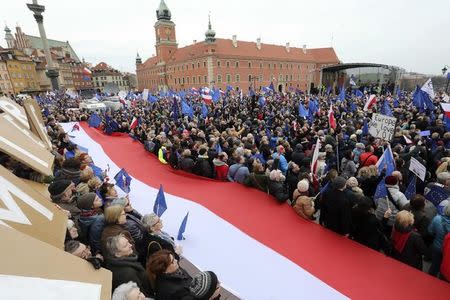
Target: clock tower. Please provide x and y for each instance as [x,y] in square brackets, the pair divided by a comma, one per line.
[166,42]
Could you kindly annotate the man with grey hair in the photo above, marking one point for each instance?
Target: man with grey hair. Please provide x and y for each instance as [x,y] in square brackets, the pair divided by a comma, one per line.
[128,291]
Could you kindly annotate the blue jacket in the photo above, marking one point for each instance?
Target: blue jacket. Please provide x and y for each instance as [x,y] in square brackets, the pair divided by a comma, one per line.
[91,229]
[436,228]
[283,165]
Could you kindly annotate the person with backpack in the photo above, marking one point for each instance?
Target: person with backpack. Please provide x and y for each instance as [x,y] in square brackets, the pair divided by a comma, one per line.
[439,228]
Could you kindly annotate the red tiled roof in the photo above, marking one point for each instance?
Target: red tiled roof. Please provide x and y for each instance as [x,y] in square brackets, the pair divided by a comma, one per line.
[101,66]
[225,48]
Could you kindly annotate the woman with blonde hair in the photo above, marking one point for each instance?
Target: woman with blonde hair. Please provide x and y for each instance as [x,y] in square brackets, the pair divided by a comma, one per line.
[115,220]
[409,246]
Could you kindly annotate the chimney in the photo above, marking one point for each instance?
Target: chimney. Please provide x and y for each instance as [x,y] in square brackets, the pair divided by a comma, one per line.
[258,43]
[195,41]
[234,41]
[288,47]
[304,49]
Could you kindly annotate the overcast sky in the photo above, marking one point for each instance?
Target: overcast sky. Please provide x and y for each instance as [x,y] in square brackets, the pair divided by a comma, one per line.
[411,34]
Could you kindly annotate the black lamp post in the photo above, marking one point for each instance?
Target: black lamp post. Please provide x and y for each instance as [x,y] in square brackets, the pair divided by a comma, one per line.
[444,69]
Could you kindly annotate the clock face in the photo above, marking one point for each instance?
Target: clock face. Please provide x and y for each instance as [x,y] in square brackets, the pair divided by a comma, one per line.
[168,31]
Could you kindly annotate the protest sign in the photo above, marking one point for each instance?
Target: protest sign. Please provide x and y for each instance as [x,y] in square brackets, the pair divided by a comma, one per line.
[417,168]
[382,126]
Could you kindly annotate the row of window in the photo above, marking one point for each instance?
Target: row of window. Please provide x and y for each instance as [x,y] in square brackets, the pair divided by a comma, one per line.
[19,75]
[23,67]
[22,84]
[228,64]
[228,79]
[5,86]
[5,76]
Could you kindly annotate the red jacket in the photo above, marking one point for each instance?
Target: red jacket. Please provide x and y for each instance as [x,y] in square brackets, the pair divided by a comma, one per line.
[221,172]
[368,159]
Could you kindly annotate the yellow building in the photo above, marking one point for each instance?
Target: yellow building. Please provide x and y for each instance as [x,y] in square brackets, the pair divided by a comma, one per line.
[22,71]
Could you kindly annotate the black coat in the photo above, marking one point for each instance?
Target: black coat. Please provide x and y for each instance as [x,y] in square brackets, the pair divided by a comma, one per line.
[126,269]
[335,212]
[277,189]
[174,286]
[202,167]
[155,243]
[366,229]
[413,251]
[298,157]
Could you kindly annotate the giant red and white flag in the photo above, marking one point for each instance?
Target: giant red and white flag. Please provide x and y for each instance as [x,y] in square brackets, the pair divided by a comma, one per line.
[251,241]
[331,118]
[370,102]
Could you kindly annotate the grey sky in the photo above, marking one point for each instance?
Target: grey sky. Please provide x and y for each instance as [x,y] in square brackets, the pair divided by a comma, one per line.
[411,34]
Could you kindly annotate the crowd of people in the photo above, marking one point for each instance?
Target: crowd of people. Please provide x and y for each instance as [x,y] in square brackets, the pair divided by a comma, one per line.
[328,173]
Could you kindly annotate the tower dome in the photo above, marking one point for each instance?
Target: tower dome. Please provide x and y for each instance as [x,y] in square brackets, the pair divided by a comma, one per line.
[163,12]
[210,33]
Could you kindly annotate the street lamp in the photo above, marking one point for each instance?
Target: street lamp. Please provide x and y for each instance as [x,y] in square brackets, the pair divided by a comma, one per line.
[444,69]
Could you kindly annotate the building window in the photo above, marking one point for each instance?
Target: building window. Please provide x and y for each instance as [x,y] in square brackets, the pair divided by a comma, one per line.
[299,77]
[193,80]
[291,77]
[198,65]
[206,79]
[281,66]
[228,78]
[183,80]
[238,78]
[260,65]
[261,78]
[219,78]
[249,78]
[218,63]
[187,80]
[193,66]
[287,77]
[236,64]
[228,64]
[204,64]
[280,77]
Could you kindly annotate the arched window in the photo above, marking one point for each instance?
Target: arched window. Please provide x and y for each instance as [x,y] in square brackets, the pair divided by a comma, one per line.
[237,78]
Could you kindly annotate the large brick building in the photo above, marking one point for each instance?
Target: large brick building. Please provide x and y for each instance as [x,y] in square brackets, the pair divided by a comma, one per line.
[222,62]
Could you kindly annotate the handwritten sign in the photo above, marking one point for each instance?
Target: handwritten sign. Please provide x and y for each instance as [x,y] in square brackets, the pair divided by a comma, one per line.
[382,126]
[417,168]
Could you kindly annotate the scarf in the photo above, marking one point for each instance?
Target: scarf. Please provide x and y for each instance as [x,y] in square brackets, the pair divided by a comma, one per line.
[399,239]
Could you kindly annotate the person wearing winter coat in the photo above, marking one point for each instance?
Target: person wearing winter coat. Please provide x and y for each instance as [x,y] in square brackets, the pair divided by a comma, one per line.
[167,278]
[292,178]
[409,246]
[115,220]
[258,178]
[282,164]
[304,207]
[276,186]
[397,196]
[202,166]
[123,263]
[221,167]
[238,171]
[91,220]
[186,162]
[298,155]
[335,208]
[438,228]
[348,166]
[421,220]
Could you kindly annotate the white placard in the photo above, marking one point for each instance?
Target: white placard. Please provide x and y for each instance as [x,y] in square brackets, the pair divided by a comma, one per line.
[25,288]
[145,94]
[417,168]
[382,126]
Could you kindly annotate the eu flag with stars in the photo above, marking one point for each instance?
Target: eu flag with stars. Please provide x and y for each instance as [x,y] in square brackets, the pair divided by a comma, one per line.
[410,191]
[123,180]
[160,205]
[436,194]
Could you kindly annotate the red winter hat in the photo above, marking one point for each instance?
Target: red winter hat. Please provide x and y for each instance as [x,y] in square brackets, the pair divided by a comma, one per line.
[391,180]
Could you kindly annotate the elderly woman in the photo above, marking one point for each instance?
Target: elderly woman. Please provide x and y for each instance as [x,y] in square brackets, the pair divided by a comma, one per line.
[128,291]
[123,263]
[115,220]
[277,187]
[304,207]
[408,244]
[221,167]
[156,239]
[186,162]
[167,278]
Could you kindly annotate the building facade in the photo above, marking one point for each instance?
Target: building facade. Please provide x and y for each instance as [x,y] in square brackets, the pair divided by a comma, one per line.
[104,75]
[5,83]
[222,62]
[21,71]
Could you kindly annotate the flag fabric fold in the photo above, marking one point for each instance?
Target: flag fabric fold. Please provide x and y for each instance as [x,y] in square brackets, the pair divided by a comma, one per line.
[182,228]
[123,180]
[160,205]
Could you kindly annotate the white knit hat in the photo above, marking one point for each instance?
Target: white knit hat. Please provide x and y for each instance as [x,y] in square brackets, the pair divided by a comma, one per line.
[303,185]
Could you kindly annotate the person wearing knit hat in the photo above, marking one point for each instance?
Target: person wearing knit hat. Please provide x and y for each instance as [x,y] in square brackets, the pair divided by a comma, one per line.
[89,201]
[70,170]
[205,286]
[61,190]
